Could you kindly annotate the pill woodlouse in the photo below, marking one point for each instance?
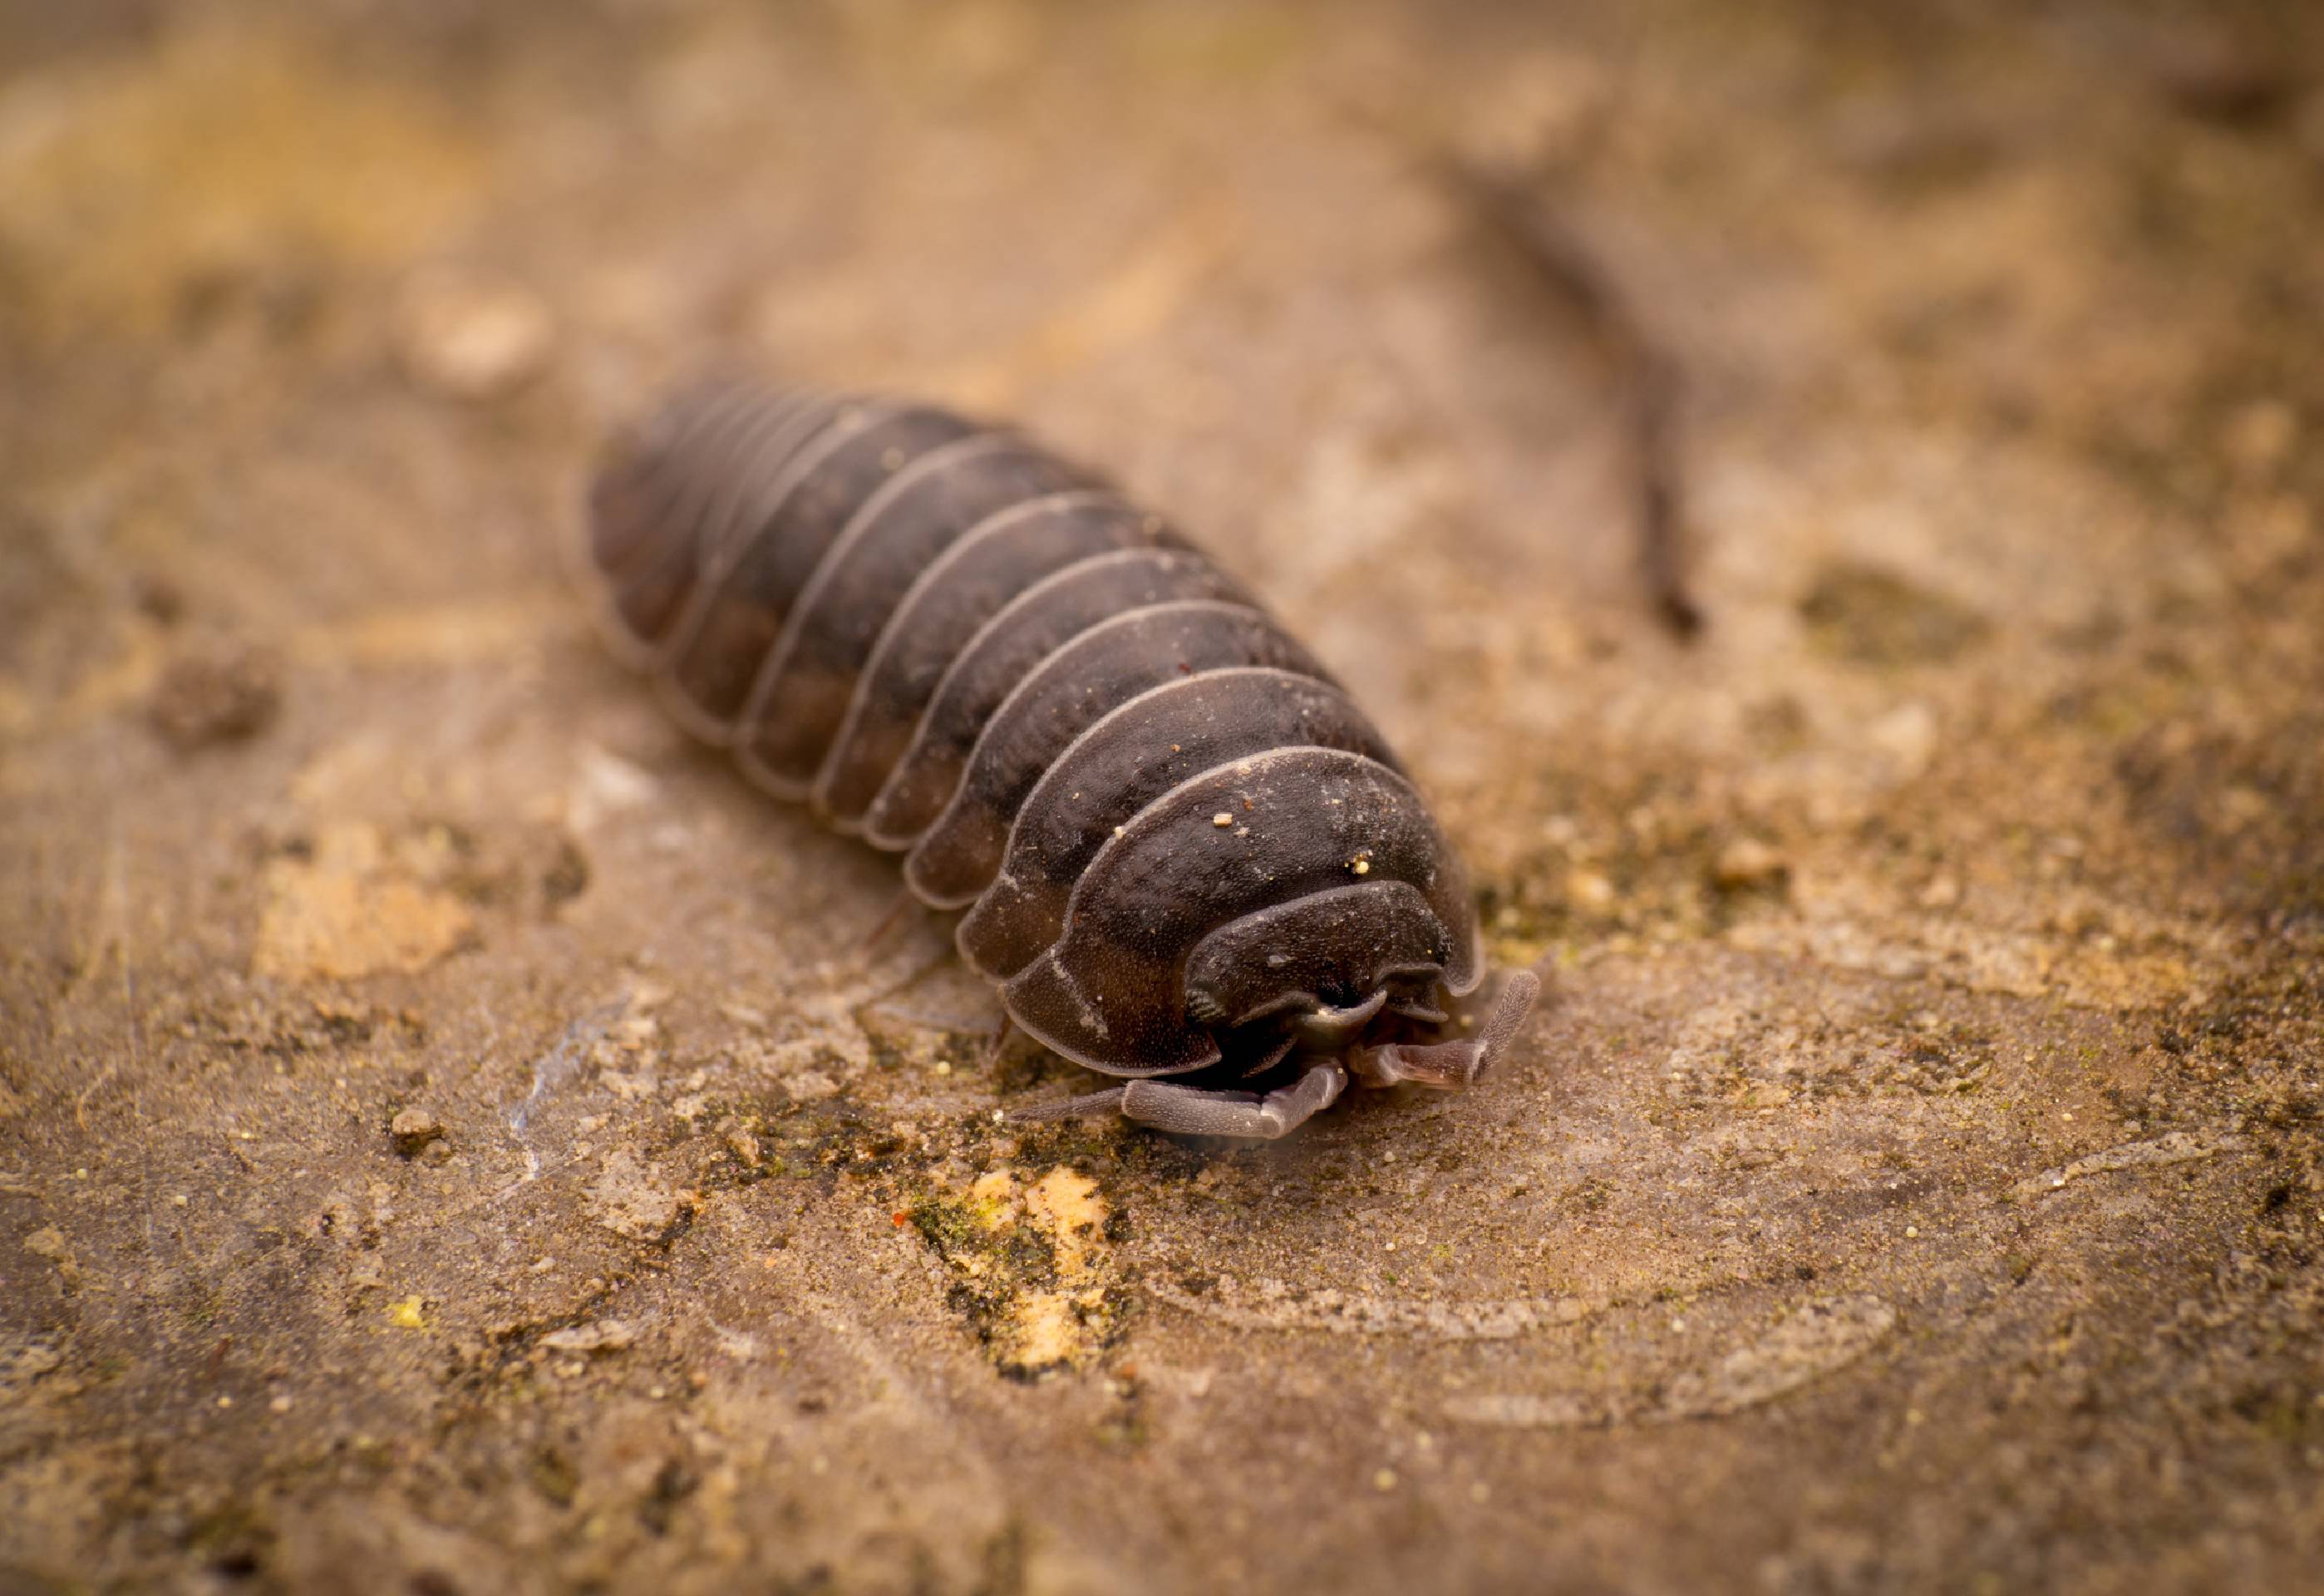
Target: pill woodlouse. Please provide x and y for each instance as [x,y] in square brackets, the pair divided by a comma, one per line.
[1187,858]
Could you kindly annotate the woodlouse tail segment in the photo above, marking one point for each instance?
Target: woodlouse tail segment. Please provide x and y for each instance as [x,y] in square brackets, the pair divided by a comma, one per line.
[1453,1066]
[652,509]
[888,922]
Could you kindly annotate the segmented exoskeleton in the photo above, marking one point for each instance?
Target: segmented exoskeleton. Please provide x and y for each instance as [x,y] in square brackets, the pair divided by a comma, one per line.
[1187,856]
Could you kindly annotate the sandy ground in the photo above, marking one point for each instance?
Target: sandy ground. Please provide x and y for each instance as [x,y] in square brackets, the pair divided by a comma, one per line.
[455,1137]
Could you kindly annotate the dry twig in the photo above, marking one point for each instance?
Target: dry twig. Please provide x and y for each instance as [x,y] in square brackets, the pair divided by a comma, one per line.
[1648,378]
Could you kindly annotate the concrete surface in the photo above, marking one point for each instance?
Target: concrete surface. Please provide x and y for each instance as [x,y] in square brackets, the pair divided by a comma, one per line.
[454,1136]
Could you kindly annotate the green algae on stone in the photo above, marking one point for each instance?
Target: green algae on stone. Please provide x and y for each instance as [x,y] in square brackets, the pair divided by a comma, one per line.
[1032,1262]
[1867,614]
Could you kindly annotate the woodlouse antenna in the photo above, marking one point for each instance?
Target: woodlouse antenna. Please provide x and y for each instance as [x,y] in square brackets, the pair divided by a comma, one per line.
[1452,1066]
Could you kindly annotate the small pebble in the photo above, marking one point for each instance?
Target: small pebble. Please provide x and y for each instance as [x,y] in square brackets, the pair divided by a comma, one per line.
[606,1335]
[1589,889]
[1221,819]
[158,598]
[471,338]
[1748,862]
[1384,1481]
[413,1130]
[214,697]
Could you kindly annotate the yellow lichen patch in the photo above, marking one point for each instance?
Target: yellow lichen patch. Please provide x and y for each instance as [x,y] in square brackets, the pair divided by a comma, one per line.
[1042,1333]
[351,910]
[407,1314]
[223,150]
[1051,1326]
[1067,1205]
[990,1195]
[1035,1273]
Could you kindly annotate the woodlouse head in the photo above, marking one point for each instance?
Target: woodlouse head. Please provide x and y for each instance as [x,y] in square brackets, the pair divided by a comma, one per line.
[1361,972]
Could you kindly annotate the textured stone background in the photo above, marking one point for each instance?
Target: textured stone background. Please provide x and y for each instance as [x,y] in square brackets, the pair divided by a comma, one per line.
[454,1138]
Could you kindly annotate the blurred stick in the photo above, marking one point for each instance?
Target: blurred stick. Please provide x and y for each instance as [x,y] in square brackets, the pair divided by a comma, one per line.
[1649,379]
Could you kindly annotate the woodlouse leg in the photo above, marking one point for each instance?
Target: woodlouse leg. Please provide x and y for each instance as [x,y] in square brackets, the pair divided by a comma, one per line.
[1190,1111]
[888,922]
[1452,1066]
[1091,1103]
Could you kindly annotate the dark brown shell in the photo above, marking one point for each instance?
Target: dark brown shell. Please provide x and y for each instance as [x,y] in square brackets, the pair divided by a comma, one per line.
[1171,829]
